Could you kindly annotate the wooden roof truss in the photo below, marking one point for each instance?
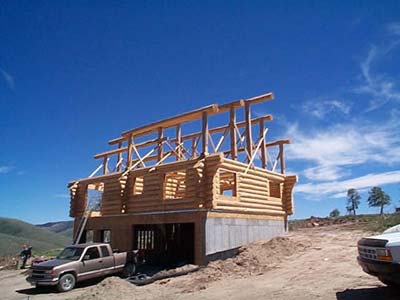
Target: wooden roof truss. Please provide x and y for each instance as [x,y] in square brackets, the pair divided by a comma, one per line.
[151,146]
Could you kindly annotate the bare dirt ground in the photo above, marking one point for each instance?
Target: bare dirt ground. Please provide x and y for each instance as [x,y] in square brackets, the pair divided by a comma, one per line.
[311,263]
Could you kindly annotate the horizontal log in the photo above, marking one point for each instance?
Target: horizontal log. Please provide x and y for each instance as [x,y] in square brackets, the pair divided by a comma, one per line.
[125,149]
[251,210]
[246,205]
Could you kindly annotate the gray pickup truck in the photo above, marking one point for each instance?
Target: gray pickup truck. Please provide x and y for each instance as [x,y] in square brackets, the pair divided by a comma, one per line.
[81,262]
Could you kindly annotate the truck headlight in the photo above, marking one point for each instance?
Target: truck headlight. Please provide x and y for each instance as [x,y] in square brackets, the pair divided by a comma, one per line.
[384,254]
[50,272]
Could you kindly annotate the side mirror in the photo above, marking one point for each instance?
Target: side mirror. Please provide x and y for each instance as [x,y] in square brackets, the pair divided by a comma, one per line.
[86,257]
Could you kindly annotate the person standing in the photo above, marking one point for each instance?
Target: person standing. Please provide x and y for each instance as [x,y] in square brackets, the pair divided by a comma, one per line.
[26,253]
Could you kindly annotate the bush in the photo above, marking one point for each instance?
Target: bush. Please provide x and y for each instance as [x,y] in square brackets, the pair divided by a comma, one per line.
[334,213]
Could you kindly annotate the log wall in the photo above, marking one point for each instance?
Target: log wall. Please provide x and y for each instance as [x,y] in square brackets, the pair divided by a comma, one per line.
[213,182]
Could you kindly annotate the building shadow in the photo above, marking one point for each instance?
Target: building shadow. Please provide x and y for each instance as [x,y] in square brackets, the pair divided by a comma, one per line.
[374,293]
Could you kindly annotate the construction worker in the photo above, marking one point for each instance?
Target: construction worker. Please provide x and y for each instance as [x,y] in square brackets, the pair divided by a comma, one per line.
[25,254]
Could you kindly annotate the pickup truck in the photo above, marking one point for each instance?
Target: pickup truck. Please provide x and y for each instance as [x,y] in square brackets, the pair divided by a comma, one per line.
[380,256]
[81,262]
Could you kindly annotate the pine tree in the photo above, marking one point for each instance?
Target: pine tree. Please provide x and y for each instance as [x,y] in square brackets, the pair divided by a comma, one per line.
[353,200]
[378,198]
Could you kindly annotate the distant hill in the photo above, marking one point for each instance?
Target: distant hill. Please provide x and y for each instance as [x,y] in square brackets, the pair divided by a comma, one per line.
[63,227]
[14,233]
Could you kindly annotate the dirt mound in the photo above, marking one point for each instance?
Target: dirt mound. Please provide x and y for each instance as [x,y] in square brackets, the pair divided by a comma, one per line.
[253,259]
[109,288]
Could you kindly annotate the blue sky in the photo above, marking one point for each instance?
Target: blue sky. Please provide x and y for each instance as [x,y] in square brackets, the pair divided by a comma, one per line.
[75,74]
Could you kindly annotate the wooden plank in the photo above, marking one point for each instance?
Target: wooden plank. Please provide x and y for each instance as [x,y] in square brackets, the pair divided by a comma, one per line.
[249,138]
[263,146]
[160,144]
[232,124]
[170,122]
[178,142]
[260,98]
[281,159]
[204,133]
[125,149]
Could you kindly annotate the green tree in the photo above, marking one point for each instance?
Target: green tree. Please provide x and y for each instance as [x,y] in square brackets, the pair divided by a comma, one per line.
[353,200]
[378,198]
[334,213]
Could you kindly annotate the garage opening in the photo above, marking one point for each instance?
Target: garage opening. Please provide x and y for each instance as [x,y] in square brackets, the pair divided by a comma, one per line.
[165,245]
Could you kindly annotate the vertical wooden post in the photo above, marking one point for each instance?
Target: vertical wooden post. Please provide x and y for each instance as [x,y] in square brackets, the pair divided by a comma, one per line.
[178,142]
[119,159]
[194,147]
[249,139]
[263,148]
[105,165]
[204,133]
[281,158]
[232,117]
[129,157]
[160,153]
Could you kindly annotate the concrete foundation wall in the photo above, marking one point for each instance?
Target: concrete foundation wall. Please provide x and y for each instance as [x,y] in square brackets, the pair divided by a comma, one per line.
[223,234]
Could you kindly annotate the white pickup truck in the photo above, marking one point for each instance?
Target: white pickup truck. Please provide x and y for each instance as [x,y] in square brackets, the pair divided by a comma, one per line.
[380,256]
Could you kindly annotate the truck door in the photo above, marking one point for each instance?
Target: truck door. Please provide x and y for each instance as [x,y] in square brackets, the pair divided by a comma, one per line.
[91,264]
[108,260]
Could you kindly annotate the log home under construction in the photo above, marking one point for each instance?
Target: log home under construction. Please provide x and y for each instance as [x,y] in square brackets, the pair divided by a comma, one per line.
[181,191]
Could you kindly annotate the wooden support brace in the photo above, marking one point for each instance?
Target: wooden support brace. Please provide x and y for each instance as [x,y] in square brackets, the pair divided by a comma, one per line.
[232,126]
[204,133]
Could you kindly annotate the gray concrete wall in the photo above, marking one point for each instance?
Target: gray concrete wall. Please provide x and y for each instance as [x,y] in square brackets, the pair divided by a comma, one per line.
[224,234]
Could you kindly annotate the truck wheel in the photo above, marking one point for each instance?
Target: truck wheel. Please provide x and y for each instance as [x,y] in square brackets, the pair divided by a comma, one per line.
[129,270]
[66,282]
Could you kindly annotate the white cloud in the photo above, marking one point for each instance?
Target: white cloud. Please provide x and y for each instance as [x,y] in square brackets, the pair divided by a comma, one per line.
[333,151]
[6,169]
[338,188]
[320,109]
[380,87]
[394,28]
[8,79]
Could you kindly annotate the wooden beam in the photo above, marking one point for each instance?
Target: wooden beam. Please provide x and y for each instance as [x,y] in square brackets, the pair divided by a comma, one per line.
[229,106]
[249,139]
[105,165]
[119,159]
[232,122]
[173,121]
[223,128]
[263,147]
[129,162]
[204,133]
[178,142]
[260,98]
[282,160]
[160,144]
[125,149]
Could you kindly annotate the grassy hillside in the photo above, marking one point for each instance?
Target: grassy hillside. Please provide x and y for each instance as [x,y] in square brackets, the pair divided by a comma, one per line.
[14,233]
[63,227]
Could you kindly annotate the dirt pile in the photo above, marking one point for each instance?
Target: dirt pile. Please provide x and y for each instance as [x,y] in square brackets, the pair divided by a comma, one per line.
[117,288]
[8,263]
[253,259]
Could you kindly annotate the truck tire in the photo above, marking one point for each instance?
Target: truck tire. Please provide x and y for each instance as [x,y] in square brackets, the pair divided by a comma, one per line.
[129,270]
[66,282]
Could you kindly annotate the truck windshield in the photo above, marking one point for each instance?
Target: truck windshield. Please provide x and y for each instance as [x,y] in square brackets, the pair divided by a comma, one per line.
[71,253]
